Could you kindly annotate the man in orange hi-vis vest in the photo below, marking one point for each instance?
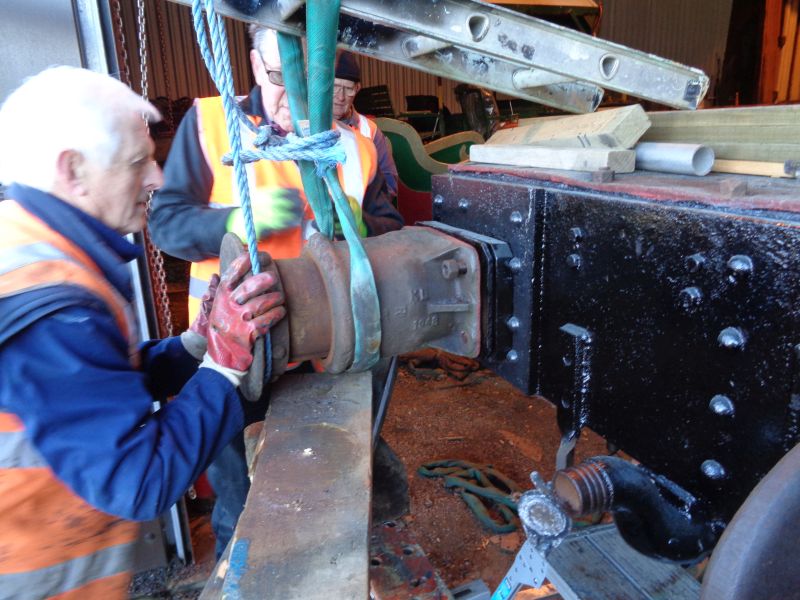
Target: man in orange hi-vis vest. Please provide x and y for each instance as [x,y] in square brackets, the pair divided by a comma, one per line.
[199,203]
[346,85]
[82,454]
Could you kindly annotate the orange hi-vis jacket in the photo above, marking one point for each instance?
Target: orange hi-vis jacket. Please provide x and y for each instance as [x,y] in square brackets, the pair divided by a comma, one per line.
[54,544]
[354,177]
[365,126]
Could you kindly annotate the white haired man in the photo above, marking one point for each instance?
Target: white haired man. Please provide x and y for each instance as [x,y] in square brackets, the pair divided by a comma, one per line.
[82,455]
[198,204]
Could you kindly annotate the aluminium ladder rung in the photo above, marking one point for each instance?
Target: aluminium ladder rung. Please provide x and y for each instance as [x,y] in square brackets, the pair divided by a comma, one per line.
[529,42]
[451,63]
[473,42]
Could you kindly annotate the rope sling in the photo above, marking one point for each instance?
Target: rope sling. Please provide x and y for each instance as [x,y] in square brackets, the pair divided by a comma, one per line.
[316,153]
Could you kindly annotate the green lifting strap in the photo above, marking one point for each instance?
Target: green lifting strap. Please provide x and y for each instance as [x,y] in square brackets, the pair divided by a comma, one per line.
[482,487]
[322,18]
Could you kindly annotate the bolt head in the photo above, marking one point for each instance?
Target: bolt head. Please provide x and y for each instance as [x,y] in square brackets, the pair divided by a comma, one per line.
[721,405]
[463,204]
[512,356]
[516,217]
[513,323]
[576,234]
[731,338]
[574,261]
[690,297]
[438,199]
[713,470]
[695,262]
[515,265]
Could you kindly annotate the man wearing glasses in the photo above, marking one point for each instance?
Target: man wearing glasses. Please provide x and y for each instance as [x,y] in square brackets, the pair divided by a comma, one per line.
[345,87]
[199,203]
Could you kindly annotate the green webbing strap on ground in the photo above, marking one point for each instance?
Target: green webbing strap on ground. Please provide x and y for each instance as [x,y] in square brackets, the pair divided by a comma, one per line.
[482,487]
[322,18]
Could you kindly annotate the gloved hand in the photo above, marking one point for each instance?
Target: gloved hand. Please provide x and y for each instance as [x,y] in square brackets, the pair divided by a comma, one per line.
[242,311]
[195,339]
[361,227]
[276,209]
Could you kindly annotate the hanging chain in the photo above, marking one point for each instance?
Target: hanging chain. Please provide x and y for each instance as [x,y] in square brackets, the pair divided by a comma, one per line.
[169,117]
[122,46]
[155,259]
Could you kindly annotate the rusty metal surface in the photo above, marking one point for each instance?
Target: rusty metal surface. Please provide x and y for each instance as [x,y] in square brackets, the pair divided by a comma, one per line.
[399,569]
[304,532]
[428,286]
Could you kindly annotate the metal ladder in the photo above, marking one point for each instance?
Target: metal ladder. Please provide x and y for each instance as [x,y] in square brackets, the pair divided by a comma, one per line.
[493,47]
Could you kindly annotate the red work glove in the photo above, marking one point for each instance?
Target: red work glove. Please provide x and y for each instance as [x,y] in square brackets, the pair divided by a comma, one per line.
[195,339]
[242,311]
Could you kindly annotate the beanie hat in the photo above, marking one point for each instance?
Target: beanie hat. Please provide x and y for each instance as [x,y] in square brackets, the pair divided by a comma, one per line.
[347,67]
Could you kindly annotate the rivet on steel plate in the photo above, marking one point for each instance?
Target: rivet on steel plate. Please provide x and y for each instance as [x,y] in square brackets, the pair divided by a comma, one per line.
[690,296]
[513,323]
[463,204]
[512,356]
[712,469]
[731,338]
[438,199]
[695,262]
[516,217]
[574,261]
[721,405]
[515,265]
[576,234]
[739,267]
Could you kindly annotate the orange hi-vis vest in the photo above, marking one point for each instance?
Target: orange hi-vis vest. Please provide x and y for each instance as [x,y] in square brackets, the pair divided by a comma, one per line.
[365,126]
[354,177]
[53,543]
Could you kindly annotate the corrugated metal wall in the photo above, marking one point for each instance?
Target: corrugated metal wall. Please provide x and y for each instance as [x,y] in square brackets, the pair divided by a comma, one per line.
[690,32]
[176,68]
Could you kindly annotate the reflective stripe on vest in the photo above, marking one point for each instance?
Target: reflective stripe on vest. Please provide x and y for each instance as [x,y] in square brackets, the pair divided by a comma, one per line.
[73,576]
[53,541]
[366,127]
[354,176]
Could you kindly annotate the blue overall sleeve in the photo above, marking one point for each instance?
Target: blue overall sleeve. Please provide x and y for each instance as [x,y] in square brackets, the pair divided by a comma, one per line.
[89,413]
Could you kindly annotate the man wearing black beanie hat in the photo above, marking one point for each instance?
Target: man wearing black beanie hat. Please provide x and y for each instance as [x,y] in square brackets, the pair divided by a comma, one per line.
[346,84]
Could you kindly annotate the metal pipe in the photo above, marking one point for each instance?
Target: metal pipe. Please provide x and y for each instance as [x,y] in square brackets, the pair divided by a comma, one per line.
[649,521]
[683,159]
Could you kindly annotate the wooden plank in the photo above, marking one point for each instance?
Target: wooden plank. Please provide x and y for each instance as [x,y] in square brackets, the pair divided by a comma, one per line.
[758,133]
[613,128]
[752,167]
[573,159]
[304,532]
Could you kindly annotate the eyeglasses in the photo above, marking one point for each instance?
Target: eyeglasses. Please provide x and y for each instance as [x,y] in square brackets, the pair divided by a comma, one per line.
[348,91]
[274,77]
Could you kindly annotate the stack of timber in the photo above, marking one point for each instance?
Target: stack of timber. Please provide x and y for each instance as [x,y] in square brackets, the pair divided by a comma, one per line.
[589,142]
[758,140]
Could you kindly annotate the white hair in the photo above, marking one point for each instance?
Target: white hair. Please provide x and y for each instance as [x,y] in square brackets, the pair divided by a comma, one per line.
[262,37]
[64,108]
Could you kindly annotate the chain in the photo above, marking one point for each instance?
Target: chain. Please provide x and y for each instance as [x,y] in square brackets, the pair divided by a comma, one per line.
[122,46]
[155,259]
[169,117]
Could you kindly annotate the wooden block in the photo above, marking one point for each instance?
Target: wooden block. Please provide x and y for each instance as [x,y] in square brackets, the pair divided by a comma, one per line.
[574,159]
[751,167]
[304,532]
[613,128]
